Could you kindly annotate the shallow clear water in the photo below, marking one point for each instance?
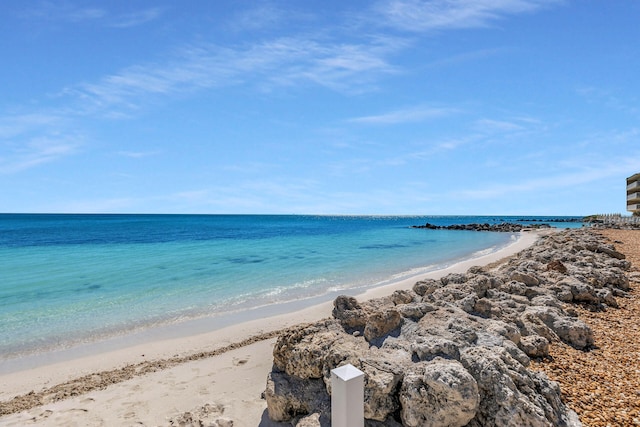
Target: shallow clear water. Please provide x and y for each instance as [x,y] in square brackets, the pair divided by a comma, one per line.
[75,278]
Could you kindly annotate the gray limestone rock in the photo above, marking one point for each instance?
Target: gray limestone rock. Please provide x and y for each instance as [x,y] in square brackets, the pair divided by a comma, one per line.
[568,329]
[312,420]
[381,385]
[382,323]
[525,278]
[534,346]
[403,297]
[349,312]
[438,394]
[610,250]
[422,351]
[415,310]
[428,348]
[426,287]
[509,392]
[289,397]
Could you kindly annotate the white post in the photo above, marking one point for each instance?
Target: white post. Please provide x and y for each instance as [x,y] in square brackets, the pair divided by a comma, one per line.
[347,397]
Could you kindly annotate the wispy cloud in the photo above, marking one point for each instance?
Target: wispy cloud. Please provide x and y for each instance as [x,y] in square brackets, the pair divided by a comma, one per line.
[291,62]
[65,12]
[584,174]
[135,18]
[36,152]
[30,140]
[137,154]
[354,64]
[14,125]
[429,149]
[627,103]
[491,126]
[473,132]
[465,57]
[264,16]
[428,15]
[280,62]
[409,115]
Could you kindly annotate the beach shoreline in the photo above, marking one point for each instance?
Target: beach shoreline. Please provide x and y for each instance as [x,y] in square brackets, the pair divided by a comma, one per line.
[48,375]
[183,291]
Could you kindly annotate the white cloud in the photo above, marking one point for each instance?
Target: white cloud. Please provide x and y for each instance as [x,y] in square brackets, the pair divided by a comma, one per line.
[135,18]
[29,140]
[461,58]
[280,62]
[627,103]
[491,126]
[261,17]
[409,115]
[86,14]
[63,12]
[12,126]
[66,12]
[137,154]
[427,15]
[350,65]
[37,151]
[579,177]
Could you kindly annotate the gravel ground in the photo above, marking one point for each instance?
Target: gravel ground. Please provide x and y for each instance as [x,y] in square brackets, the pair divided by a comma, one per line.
[603,385]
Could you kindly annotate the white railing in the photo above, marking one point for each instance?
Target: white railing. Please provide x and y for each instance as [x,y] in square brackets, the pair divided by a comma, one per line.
[633,196]
[633,185]
[618,219]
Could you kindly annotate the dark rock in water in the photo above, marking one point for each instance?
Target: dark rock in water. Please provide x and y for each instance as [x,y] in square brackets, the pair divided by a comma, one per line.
[577,219]
[507,227]
[455,351]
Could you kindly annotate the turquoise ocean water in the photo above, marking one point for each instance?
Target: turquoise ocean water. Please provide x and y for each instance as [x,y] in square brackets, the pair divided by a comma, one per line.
[69,279]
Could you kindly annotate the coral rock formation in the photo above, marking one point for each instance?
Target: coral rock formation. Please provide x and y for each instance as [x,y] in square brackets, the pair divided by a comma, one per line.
[455,351]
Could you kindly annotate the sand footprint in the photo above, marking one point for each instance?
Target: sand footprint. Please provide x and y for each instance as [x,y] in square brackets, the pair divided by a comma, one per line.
[240,361]
[76,410]
[44,414]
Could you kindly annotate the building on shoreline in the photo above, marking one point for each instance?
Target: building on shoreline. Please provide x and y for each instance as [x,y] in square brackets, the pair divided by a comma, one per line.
[633,194]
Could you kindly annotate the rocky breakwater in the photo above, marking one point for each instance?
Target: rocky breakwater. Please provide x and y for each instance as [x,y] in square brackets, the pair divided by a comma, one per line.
[455,351]
[507,227]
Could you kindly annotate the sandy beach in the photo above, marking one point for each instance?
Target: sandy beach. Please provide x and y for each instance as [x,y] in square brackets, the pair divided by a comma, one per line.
[219,375]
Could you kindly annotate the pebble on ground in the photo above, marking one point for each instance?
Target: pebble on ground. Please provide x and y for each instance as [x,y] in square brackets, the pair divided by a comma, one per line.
[603,385]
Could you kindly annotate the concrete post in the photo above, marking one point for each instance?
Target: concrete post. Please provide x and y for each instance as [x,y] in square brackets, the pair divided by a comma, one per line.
[347,397]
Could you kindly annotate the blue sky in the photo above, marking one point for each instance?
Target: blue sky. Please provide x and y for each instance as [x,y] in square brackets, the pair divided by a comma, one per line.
[329,107]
